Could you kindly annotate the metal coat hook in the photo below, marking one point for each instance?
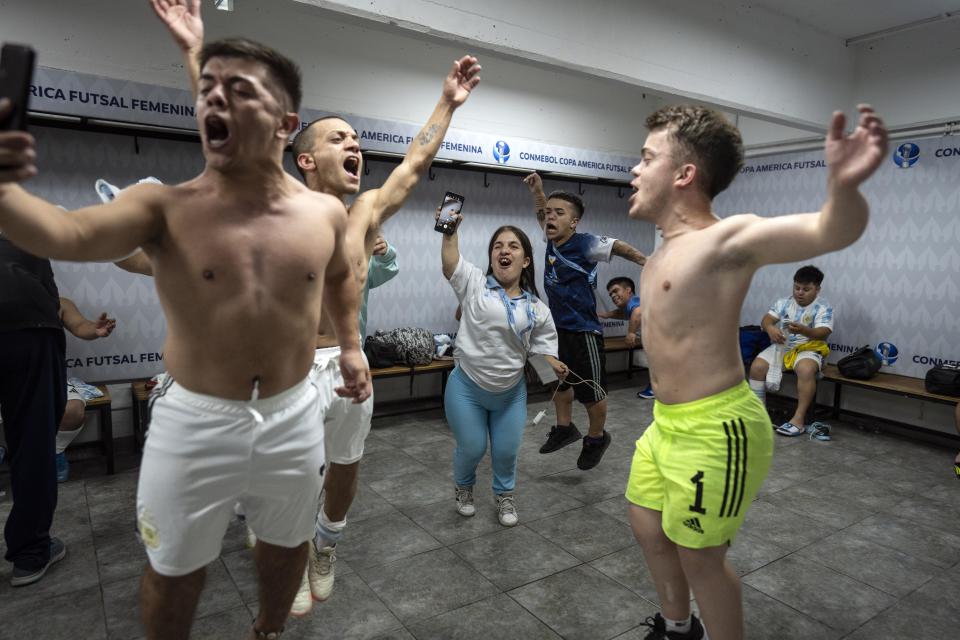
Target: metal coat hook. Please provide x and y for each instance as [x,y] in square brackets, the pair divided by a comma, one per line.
[580,190]
[620,192]
[486,181]
[366,168]
[136,145]
[430,174]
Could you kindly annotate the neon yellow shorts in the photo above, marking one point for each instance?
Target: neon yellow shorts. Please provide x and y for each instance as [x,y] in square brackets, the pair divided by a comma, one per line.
[701,464]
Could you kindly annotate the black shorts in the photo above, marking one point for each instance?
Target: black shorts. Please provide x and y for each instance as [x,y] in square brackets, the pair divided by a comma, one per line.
[582,352]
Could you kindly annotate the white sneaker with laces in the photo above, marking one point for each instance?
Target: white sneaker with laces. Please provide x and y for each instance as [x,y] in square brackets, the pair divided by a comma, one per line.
[507,510]
[303,601]
[321,571]
[465,501]
[251,538]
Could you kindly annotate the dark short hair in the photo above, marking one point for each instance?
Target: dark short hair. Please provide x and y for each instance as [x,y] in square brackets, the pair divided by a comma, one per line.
[623,281]
[706,139]
[808,275]
[572,198]
[305,139]
[283,69]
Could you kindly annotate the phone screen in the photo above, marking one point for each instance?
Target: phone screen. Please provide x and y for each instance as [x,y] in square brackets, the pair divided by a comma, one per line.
[452,205]
[16,72]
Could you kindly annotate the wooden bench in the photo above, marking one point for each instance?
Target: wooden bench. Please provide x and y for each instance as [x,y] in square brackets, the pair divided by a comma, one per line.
[891,383]
[104,407]
[618,345]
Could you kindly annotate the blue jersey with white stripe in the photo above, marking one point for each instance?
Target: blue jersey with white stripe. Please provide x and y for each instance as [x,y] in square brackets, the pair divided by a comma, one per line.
[569,279]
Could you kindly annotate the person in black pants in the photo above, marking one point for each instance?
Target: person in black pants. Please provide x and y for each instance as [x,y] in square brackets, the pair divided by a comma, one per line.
[33,383]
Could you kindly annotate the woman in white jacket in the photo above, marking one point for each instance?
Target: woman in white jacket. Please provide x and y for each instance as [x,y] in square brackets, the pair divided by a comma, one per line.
[503,323]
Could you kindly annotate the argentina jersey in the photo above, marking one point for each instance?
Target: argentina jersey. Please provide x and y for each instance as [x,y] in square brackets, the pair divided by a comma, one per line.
[569,278]
[817,314]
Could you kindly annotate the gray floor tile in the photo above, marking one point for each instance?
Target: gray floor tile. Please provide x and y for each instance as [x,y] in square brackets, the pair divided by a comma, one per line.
[396,634]
[441,520]
[413,433]
[925,543]
[353,612]
[588,487]
[823,594]
[536,499]
[71,523]
[586,532]
[930,513]
[367,504]
[120,557]
[629,568]
[881,567]
[426,585]
[386,464]
[63,617]
[767,619]
[513,557]
[110,523]
[559,602]
[783,527]
[433,452]
[231,624]
[413,489]
[111,493]
[831,509]
[616,507]
[383,539]
[863,489]
[749,553]
[930,611]
[496,617]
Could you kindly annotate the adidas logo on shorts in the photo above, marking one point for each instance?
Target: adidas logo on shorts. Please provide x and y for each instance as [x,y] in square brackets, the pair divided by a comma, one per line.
[694,523]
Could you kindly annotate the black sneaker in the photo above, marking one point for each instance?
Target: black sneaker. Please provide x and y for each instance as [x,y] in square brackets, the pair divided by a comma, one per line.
[23,577]
[591,453]
[659,631]
[559,437]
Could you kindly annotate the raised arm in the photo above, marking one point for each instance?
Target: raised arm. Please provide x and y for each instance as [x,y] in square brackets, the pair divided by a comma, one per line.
[535,184]
[75,322]
[450,249]
[633,327]
[341,302]
[138,262]
[462,79]
[183,21]
[624,250]
[842,220]
[616,314]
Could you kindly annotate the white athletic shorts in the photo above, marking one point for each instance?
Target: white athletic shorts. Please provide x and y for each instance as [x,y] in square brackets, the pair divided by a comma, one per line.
[345,424]
[767,354]
[204,455]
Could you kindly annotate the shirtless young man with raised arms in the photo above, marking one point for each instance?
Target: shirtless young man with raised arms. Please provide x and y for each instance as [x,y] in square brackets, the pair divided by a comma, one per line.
[243,256]
[700,463]
[327,153]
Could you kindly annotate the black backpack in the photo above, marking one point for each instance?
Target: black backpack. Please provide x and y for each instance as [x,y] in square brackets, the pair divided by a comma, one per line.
[380,353]
[862,364]
[943,380]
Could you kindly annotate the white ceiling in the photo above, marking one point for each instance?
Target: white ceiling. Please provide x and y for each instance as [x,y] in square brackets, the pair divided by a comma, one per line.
[850,18]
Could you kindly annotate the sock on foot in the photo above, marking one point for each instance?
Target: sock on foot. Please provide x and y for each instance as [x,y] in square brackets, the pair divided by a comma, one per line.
[327,533]
[679,626]
[64,438]
[759,387]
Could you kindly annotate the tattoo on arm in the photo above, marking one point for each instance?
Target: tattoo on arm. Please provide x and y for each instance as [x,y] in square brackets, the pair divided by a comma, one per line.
[541,215]
[426,136]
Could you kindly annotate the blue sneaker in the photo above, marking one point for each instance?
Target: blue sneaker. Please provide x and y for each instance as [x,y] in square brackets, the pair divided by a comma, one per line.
[646,394]
[819,431]
[63,467]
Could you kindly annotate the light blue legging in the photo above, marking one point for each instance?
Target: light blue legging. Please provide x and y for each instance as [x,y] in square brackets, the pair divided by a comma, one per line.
[473,414]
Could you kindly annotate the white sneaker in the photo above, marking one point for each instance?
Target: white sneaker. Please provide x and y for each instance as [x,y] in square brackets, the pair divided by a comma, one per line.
[465,501]
[303,602]
[251,538]
[507,510]
[321,571]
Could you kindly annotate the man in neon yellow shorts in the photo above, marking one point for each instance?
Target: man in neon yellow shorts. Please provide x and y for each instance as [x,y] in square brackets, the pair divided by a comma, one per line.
[699,465]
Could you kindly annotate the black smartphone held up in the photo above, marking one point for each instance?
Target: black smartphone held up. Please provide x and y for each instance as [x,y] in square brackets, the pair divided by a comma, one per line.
[452,204]
[16,72]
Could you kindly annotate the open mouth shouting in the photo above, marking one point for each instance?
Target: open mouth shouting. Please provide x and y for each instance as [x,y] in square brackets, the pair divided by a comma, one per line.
[504,262]
[351,165]
[550,228]
[217,131]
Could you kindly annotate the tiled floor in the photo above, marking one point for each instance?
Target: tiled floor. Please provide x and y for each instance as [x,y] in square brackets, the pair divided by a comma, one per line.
[856,538]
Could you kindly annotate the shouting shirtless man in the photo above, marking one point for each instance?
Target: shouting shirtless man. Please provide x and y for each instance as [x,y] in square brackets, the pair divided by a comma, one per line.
[327,153]
[243,256]
[699,465]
